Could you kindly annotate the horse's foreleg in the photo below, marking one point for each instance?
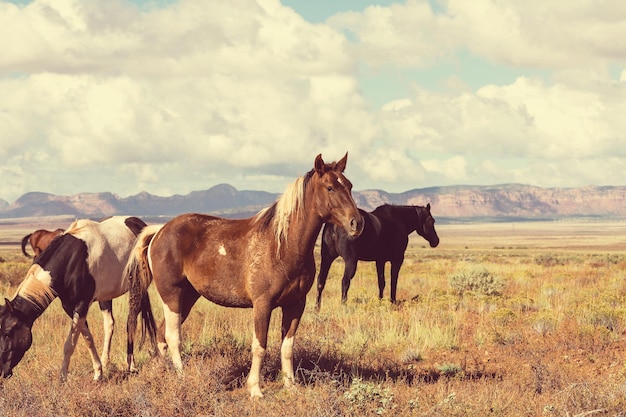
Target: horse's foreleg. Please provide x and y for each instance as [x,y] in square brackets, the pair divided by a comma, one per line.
[291,320]
[108,322]
[380,271]
[70,344]
[321,281]
[93,352]
[262,313]
[395,272]
[79,326]
[348,274]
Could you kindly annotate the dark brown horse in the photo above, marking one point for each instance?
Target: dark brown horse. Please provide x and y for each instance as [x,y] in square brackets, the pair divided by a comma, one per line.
[384,239]
[39,240]
[262,263]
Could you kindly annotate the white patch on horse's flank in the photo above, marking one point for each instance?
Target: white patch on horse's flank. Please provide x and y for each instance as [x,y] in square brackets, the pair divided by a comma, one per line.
[108,245]
[222,250]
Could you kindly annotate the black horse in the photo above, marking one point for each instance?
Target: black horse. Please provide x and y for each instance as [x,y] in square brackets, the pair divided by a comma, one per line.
[384,238]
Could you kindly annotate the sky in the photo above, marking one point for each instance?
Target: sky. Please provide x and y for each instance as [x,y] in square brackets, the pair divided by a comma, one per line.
[174,96]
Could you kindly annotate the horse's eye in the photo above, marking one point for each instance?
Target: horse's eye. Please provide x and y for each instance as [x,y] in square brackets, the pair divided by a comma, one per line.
[329,188]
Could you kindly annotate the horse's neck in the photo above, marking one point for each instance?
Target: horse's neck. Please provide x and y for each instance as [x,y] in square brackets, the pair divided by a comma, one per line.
[33,295]
[303,232]
[409,216]
[29,311]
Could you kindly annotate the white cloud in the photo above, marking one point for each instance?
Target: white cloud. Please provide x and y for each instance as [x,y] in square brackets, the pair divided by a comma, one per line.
[178,98]
[532,33]
[212,88]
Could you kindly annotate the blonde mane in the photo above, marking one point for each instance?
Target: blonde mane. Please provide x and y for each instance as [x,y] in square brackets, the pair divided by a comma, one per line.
[289,204]
[35,290]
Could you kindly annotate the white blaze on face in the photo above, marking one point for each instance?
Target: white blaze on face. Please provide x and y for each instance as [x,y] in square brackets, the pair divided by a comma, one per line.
[222,250]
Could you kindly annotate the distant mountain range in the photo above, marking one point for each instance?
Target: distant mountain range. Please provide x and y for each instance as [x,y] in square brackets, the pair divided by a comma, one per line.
[461,203]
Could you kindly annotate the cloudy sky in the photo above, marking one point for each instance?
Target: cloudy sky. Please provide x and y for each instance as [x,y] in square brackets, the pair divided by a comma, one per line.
[172,96]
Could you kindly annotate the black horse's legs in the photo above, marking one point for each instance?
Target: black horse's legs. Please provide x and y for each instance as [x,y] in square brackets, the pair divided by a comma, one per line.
[348,274]
[395,271]
[380,271]
[326,262]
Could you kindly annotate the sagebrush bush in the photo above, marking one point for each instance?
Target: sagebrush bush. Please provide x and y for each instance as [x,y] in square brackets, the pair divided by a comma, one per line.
[478,280]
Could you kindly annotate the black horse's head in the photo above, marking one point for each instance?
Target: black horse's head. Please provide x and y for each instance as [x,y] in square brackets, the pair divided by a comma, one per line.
[15,338]
[426,225]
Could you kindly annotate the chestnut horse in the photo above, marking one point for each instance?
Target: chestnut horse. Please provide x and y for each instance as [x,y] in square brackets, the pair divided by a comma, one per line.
[81,266]
[39,240]
[262,262]
[384,239]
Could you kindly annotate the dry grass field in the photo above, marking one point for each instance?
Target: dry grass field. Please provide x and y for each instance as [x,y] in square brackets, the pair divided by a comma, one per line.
[502,319]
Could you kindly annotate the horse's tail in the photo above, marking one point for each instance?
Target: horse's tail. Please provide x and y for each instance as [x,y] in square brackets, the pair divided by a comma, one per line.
[139,276]
[24,242]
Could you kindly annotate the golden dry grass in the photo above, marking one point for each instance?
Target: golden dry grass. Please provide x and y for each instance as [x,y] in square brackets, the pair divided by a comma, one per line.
[551,344]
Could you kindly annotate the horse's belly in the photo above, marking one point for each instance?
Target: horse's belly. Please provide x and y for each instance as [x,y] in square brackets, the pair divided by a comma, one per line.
[222,292]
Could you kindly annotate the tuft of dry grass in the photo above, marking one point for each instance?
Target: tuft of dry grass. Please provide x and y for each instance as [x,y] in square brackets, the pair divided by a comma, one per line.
[550,341]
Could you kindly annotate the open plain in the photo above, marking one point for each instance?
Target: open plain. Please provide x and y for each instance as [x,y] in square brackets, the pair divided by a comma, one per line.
[501,319]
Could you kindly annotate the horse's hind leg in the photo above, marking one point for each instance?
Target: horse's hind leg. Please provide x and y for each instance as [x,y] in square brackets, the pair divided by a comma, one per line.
[189,297]
[108,322]
[177,303]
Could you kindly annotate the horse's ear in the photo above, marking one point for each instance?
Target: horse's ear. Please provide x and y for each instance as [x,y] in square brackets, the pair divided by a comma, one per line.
[428,207]
[8,305]
[320,166]
[341,165]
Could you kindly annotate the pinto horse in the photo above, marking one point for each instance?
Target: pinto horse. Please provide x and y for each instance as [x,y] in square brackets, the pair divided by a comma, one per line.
[39,240]
[384,238]
[83,265]
[262,262]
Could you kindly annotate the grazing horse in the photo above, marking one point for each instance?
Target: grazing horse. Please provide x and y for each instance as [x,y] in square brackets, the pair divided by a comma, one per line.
[39,240]
[82,265]
[262,262]
[384,238]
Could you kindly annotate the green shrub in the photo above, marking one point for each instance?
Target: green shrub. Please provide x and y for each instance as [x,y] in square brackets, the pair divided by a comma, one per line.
[450,369]
[548,259]
[478,280]
[362,396]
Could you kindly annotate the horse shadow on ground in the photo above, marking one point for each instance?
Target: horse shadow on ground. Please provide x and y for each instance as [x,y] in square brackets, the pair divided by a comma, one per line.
[311,368]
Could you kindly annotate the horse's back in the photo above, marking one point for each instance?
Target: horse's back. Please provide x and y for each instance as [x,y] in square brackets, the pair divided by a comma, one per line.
[109,244]
[381,239]
[212,253]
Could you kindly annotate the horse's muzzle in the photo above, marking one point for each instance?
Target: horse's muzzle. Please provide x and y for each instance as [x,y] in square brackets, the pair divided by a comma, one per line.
[356,226]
